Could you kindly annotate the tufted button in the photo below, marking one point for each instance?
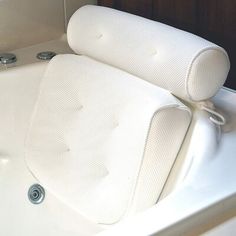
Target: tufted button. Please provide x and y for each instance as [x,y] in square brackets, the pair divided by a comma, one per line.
[80,107]
[76,108]
[104,172]
[153,52]
[99,36]
[115,125]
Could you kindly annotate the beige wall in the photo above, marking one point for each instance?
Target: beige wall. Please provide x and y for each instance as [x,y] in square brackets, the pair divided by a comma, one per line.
[27,22]
[72,5]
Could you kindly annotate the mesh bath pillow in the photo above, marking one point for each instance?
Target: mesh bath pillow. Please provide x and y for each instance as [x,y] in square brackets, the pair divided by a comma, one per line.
[102,140]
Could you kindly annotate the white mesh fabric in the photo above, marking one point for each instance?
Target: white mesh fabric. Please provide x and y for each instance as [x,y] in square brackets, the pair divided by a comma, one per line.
[160,54]
[203,73]
[87,138]
[167,130]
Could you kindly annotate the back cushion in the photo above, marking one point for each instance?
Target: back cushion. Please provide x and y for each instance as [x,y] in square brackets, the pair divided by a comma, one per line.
[103,140]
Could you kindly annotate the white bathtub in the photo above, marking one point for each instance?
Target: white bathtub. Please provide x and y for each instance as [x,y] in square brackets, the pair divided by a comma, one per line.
[212,174]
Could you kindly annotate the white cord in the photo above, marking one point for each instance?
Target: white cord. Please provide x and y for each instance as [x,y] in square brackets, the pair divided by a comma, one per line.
[217,118]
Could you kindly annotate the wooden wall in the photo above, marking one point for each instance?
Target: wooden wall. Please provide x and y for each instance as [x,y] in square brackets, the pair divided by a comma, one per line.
[214,20]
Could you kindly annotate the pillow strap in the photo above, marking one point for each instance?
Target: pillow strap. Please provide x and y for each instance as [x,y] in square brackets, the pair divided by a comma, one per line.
[216,117]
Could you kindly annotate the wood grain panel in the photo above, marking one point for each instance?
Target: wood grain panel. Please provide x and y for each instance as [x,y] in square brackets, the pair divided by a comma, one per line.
[140,7]
[217,23]
[214,20]
[179,13]
[106,3]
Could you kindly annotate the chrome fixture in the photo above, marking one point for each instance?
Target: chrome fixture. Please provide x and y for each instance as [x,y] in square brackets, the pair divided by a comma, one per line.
[7,58]
[46,55]
[36,194]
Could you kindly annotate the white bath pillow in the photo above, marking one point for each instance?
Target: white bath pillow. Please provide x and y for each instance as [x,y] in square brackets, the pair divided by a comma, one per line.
[190,67]
[102,140]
